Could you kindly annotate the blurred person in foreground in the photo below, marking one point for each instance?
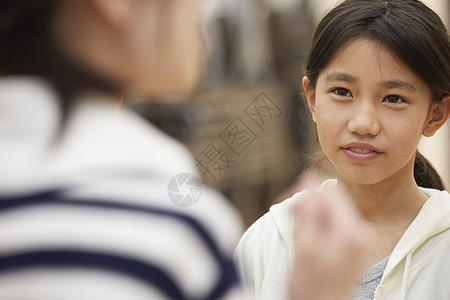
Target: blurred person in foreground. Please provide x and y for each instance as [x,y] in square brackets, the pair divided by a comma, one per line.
[84,206]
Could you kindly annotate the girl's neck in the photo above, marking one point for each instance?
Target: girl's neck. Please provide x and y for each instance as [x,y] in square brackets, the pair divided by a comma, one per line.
[390,207]
[389,201]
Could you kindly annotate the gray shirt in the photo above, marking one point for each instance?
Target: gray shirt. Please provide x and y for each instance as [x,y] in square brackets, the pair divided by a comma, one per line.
[368,281]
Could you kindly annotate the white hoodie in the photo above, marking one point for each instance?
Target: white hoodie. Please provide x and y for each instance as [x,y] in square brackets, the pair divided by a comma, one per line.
[418,268]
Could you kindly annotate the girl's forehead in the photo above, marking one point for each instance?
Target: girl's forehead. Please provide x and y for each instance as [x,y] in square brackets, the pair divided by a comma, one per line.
[368,58]
[365,50]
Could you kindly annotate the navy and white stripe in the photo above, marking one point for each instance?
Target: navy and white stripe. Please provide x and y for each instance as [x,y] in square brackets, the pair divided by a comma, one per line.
[50,214]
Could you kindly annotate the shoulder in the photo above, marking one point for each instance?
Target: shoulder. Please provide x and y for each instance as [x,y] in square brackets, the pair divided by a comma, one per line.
[145,167]
[270,235]
[126,138]
[435,213]
[271,228]
[276,225]
[436,194]
[129,159]
[263,253]
[263,260]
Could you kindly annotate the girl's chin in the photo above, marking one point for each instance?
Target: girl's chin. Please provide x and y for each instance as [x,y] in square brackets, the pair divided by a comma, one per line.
[363,179]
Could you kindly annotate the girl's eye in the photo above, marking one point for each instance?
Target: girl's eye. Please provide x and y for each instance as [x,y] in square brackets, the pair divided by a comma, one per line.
[342,92]
[393,99]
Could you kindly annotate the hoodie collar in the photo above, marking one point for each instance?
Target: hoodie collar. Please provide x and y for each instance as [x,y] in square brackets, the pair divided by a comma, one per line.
[431,220]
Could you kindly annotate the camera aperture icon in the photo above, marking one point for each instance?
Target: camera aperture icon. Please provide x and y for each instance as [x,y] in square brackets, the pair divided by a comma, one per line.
[184,189]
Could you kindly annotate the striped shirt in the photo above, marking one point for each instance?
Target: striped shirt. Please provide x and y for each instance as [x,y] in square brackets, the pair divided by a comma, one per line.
[93,220]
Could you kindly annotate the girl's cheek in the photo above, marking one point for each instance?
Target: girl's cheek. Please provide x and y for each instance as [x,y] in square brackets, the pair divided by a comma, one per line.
[331,115]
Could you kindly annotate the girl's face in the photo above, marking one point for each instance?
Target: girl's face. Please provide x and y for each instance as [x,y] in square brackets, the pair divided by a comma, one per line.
[153,47]
[166,46]
[371,111]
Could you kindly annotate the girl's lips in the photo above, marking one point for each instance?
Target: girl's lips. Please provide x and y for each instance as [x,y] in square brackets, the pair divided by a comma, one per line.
[361,152]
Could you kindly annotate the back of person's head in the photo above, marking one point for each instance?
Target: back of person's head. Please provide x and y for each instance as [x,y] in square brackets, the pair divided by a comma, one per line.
[28,47]
[146,47]
[410,29]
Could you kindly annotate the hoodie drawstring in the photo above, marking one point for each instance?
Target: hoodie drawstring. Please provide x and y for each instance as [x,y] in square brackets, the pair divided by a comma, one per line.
[405,276]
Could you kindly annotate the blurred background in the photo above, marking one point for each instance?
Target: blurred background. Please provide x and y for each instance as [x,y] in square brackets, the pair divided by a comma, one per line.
[247,126]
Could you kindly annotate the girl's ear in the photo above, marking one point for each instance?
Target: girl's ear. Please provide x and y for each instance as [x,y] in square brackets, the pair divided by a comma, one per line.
[310,95]
[438,116]
[117,13]
[119,101]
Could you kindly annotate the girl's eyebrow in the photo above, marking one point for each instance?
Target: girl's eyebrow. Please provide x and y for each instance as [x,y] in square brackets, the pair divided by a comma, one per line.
[340,76]
[388,84]
[399,84]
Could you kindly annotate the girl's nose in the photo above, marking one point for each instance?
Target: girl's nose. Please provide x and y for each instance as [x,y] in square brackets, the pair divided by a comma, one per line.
[364,120]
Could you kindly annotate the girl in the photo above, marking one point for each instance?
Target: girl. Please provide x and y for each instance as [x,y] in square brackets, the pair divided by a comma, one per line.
[84,206]
[377,79]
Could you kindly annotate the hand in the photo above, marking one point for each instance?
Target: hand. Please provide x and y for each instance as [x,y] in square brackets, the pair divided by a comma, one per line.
[329,242]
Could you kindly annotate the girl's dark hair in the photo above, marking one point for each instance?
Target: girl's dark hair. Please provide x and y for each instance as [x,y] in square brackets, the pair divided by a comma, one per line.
[409,28]
[27,48]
